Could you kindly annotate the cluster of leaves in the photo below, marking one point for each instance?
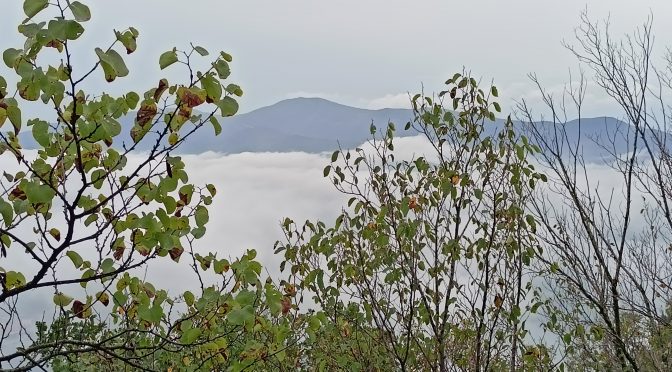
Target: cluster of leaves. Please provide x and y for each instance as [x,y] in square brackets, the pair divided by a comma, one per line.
[245,323]
[430,245]
[96,213]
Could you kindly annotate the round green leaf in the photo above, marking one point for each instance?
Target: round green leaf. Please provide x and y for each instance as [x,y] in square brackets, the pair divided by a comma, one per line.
[11,56]
[168,58]
[228,106]
[32,7]
[80,11]
[188,298]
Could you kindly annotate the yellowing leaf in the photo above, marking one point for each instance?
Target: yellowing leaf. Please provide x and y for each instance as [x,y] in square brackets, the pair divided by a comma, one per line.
[62,300]
[55,234]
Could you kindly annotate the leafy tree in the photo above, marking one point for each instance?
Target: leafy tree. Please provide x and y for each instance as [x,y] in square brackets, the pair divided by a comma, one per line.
[82,214]
[250,326]
[429,259]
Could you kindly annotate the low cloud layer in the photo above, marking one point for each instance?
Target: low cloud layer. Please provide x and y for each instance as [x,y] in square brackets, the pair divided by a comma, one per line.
[255,192]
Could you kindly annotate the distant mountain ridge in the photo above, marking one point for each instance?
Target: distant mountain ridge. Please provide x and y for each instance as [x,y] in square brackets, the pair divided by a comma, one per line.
[298,124]
[317,125]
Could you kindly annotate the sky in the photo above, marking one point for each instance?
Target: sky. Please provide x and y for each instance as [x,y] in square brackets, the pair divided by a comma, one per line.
[362,53]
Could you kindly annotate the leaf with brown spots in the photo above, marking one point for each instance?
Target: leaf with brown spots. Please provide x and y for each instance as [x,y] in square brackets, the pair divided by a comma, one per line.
[175,253]
[163,85]
[17,193]
[286,305]
[103,297]
[56,44]
[191,97]
[146,113]
[118,253]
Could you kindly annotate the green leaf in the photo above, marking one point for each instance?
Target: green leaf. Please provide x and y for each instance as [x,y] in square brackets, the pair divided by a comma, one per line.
[113,60]
[531,222]
[40,131]
[117,63]
[190,335]
[132,100]
[202,51]
[62,300]
[222,68]
[55,233]
[38,193]
[211,189]
[173,138]
[151,314]
[14,279]
[73,30]
[14,115]
[3,87]
[235,90]
[494,92]
[33,7]
[11,56]
[7,212]
[80,11]
[221,266]
[128,40]
[107,265]
[188,298]
[226,56]
[201,216]
[498,108]
[119,298]
[110,74]
[241,316]
[520,152]
[75,258]
[246,298]
[198,232]
[216,125]
[168,58]
[228,106]
[212,87]
[65,29]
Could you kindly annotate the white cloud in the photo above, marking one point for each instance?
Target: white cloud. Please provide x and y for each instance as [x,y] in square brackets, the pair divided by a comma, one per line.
[255,192]
[400,100]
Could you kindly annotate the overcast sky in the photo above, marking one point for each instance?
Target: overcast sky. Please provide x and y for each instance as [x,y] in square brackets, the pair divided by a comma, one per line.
[363,53]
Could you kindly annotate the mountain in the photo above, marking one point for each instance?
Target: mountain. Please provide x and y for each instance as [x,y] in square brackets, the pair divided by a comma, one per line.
[318,125]
[298,124]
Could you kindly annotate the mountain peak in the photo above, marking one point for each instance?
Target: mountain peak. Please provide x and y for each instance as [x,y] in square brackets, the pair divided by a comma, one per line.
[304,102]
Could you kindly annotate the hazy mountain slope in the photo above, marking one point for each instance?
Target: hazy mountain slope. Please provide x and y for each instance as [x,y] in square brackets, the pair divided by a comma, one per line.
[317,125]
[299,124]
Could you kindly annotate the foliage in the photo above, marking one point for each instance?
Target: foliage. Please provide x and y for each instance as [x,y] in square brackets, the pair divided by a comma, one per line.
[431,253]
[245,327]
[97,213]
